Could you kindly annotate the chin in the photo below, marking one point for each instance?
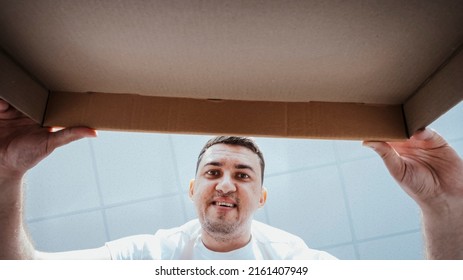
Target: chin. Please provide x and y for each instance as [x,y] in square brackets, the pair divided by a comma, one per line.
[219,226]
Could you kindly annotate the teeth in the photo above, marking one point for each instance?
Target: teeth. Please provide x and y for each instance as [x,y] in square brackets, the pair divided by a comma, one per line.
[224,204]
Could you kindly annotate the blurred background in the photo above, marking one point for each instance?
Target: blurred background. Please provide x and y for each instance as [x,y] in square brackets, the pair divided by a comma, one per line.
[336,195]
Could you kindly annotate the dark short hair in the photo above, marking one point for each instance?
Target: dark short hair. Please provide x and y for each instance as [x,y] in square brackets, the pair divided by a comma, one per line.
[234,140]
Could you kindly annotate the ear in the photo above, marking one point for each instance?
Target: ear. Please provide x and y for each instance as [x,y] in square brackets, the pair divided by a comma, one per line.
[192,188]
[263,197]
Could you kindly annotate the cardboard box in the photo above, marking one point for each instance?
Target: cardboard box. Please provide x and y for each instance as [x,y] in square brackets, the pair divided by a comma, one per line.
[311,69]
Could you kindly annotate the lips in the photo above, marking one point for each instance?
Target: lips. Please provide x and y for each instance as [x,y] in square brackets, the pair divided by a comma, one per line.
[224,202]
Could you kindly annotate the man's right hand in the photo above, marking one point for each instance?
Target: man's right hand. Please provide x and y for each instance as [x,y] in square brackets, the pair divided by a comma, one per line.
[24,143]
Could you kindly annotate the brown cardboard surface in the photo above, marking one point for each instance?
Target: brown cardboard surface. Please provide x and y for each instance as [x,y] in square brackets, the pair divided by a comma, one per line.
[440,94]
[356,51]
[20,90]
[318,69]
[258,118]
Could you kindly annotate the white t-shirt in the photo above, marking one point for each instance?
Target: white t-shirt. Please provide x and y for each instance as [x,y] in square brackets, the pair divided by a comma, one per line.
[184,242]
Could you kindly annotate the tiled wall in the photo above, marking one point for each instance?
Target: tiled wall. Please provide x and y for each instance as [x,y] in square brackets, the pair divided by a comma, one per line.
[336,195]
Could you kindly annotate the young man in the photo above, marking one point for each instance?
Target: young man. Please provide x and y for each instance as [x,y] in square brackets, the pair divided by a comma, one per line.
[227,191]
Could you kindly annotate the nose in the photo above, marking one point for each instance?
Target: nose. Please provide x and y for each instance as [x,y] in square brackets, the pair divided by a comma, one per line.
[225,185]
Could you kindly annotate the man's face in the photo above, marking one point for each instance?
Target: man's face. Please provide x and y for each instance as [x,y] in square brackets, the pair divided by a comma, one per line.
[227,190]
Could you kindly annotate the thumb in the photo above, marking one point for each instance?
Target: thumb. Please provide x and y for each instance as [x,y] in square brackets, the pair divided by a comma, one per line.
[68,135]
[429,138]
[3,106]
[394,163]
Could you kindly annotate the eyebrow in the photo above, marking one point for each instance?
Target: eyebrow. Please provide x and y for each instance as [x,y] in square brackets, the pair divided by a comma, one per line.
[238,166]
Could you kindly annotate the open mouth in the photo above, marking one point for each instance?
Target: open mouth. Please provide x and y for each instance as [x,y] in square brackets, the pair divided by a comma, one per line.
[224,204]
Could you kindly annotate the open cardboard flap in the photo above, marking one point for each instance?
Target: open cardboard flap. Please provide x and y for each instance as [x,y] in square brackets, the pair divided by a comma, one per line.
[306,69]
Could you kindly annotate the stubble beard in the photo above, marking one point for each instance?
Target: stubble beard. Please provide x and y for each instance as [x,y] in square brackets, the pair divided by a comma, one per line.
[220,229]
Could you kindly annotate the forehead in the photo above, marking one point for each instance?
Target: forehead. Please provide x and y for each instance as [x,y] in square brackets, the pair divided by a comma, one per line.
[232,153]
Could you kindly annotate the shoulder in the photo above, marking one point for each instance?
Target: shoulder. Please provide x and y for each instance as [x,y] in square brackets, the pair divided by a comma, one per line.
[189,229]
[267,233]
[279,244]
[164,244]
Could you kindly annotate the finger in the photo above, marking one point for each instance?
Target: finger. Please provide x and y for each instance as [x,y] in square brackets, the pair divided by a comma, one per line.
[68,135]
[394,163]
[430,136]
[422,139]
[4,106]
[8,112]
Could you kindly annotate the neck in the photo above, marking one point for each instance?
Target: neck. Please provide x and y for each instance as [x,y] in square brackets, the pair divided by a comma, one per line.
[221,243]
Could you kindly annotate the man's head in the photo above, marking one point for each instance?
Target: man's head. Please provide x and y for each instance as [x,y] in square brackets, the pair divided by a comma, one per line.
[234,140]
[228,190]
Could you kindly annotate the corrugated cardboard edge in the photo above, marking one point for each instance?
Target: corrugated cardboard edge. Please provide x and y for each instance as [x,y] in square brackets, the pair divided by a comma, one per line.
[131,112]
[21,90]
[441,92]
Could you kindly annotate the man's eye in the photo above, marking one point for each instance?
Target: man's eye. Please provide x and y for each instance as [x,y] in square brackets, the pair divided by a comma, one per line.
[243,176]
[213,172]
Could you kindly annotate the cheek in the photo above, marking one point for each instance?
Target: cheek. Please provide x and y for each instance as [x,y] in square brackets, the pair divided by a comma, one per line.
[200,196]
[252,199]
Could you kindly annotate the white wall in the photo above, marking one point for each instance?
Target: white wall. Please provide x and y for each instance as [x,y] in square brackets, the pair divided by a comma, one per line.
[336,195]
